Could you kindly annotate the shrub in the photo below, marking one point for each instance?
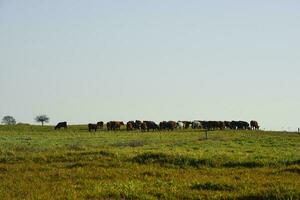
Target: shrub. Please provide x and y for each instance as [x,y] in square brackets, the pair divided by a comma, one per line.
[246,164]
[277,192]
[164,159]
[134,143]
[212,186]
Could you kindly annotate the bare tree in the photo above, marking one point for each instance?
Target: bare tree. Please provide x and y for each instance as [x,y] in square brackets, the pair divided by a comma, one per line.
[9,120]
[42,119]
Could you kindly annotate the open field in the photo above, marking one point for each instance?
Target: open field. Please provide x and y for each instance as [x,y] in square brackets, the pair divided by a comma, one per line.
[40,163]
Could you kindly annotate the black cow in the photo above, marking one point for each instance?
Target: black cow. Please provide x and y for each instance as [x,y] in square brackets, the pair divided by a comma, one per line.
[227,124]
[143,126]
[100,124]
[149,125]
[222,125]
[254,125]
[204,124]
[92,127]
[170,125]
[61,125]
[244,125]
[108,126]
[187,124]
[241,125]
[137,125]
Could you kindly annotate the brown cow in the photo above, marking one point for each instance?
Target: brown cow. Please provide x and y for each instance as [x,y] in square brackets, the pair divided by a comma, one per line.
[114,125]
[170,125]
[130,126]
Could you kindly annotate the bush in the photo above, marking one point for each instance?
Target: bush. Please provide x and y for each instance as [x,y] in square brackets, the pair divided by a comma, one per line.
[277,192]
[134,143]
[212,186]
[247,164]
[164,159]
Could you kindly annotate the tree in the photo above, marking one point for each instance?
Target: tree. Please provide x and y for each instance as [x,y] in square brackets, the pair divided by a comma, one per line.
[42,119]
[9,120]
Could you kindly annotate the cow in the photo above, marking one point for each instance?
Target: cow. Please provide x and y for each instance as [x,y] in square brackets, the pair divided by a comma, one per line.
[92,127]
[130,126]
[114,125]
[163,125]
[100,125]
[227,124]
[212,125]
[234,125]
[61,125]
[180,125]
[170,125]
[221,125]
[137,125]
[244,125]
[240,125]
[187,124]
[196,124]
[149,125]
[108,126]
[204,124]
[143,126]
[254,125]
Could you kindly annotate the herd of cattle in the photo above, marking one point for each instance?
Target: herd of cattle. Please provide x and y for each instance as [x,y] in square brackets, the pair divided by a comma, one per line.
[169,125]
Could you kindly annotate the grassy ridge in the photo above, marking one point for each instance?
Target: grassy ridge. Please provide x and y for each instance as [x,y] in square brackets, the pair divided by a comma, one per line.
[40,163]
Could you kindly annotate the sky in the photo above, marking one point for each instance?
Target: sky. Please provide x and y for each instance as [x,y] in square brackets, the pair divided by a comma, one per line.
[88,61]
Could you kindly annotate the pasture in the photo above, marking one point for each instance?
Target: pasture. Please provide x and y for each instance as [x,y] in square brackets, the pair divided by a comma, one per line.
[39,163]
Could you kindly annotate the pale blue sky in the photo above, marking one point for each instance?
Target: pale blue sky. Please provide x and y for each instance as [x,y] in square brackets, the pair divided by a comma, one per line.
[85,61]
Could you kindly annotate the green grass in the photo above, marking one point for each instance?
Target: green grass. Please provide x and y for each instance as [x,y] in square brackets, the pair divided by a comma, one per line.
[40,163]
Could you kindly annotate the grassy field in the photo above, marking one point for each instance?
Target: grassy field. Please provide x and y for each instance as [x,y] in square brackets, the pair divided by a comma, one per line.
[40,163]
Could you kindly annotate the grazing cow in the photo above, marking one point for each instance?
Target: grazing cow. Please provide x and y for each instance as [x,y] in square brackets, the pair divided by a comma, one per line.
[180,125]
[143,126]
[221,125]
[240,125]
[163,125]
[114,125]
[196,124]
[100,125]
[61,125]
[92,127]
[170,125]
[204,124]
[254,125]
[187,124]
[130,126]
[212,125]
[137,125]
[152,126]
[234,125]
[149,125]
[227,124]
[108,126]
[244,125]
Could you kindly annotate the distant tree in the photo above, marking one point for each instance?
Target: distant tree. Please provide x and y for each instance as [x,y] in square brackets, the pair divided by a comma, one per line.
[9,120]
[42,119]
